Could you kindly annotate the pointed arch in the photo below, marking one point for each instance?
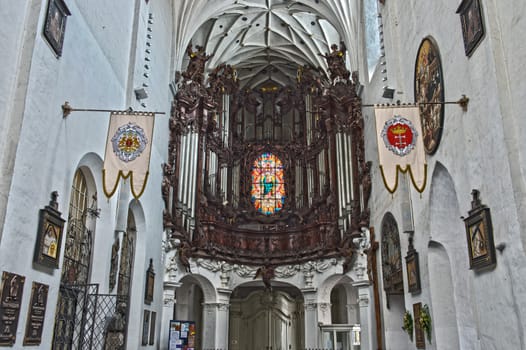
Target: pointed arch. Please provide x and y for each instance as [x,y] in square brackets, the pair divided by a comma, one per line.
[448,255]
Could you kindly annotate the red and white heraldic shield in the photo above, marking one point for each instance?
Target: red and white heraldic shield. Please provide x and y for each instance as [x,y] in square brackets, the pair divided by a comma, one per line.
[400,146]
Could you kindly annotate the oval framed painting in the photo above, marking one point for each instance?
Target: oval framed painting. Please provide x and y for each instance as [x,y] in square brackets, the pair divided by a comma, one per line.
[429,91]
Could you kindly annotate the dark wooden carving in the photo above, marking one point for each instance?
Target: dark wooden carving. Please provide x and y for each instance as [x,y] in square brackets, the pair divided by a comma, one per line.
[10,300]
[36,313]
[336,62]
[196,66]
[227,226]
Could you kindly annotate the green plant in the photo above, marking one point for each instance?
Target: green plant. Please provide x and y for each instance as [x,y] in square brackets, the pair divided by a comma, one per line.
[425,321]
[408,324]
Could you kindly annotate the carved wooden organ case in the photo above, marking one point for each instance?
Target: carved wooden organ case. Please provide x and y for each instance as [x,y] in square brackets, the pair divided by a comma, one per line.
[268,176]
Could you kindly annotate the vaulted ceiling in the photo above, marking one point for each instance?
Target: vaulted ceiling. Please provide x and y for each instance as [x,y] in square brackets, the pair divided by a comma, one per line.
[265,40]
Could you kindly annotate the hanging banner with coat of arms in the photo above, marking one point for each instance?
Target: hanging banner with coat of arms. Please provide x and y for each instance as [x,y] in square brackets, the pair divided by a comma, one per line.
[400,146]
[128,148]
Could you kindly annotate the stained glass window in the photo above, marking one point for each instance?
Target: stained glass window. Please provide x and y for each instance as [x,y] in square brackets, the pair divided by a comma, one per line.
[268,186]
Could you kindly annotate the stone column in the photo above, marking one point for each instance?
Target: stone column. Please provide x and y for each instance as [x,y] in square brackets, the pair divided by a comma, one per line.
[311,322]
[367,323]
[215,322]
[324,313]
[168,312]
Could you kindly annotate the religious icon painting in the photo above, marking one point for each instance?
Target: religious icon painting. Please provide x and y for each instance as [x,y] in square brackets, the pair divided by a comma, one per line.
[479,234]
[55,25]
[472,24]
[429,93]
[49,235]
[413,270]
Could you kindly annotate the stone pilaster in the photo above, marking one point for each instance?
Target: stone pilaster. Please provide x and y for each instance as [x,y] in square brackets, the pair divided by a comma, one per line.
[367,321]
[215,321]
[168,312]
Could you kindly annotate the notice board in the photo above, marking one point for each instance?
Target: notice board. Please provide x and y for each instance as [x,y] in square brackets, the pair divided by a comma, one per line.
[182,335]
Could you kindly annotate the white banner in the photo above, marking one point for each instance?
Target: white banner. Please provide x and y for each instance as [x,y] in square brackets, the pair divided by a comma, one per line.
[400,146]
[128,148]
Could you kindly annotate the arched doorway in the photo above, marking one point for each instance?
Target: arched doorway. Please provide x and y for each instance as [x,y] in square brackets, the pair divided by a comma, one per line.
[74,288]
[263,319]
[189,307]
[393,285]
[441,285]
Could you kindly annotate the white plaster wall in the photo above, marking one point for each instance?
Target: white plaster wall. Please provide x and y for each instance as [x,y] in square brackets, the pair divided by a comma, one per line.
[102,62]
[480,149]
[17,34]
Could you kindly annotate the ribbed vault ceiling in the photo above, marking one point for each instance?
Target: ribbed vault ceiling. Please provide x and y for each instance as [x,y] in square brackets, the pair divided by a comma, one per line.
[265,40]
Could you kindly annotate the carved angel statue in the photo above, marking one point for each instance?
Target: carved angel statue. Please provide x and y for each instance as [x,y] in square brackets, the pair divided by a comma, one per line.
[266,273]
[196,66]
[336,62]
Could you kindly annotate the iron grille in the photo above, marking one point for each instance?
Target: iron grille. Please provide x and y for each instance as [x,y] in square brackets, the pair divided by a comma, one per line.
[87,320]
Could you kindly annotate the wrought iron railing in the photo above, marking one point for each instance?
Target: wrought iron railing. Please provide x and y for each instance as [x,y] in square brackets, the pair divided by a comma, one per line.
[87,320]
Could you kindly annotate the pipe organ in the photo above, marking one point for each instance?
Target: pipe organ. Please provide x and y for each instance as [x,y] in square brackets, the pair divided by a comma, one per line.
[265,175]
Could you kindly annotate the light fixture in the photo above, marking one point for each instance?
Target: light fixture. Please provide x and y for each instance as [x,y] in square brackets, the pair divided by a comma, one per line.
[141,93]
[388,92]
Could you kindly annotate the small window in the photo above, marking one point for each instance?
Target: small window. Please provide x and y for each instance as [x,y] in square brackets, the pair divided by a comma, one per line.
[372,35]
[268,187]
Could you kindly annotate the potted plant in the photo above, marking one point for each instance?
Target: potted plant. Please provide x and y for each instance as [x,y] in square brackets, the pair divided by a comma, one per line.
[408,324]
[425,321]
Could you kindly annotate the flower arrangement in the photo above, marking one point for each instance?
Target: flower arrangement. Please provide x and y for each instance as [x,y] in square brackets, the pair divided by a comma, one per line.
[408,324]
[425,321]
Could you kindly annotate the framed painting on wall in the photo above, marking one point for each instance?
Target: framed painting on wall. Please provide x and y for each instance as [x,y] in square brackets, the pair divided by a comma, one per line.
[413,271]
[429,93]
[472,24]
[150,282]
[49,234]
[55,25]
[479,234]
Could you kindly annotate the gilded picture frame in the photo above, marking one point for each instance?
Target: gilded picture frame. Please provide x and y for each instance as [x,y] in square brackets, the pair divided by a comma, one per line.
[49,235]
[149,285]
[472,23]
[479,235]
[429,93]
[413,272]
[55,25]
